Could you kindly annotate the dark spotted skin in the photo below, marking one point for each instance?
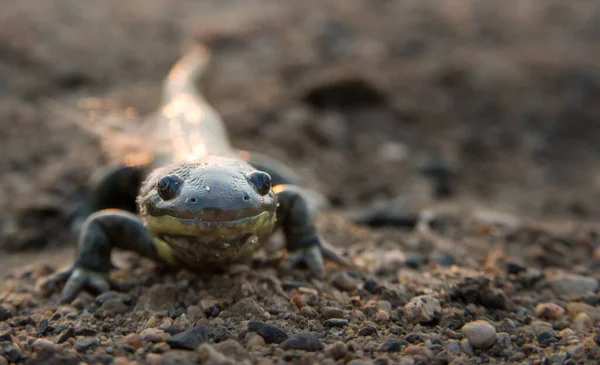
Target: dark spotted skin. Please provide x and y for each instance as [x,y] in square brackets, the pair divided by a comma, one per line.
[200,205]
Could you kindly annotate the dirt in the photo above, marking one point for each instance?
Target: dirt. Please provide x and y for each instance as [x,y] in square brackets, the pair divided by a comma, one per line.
[497,100]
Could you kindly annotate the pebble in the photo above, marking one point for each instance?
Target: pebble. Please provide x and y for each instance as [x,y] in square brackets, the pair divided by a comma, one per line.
[480,334]
[210,355]
[83,300]
[182,323]
[367,331]
[133,340]
[86,343]
[69,333]
[153,335]
[385,305]
[114,306]
[551,311]
[178,357]
[5,336]
[306,341]
[336,351]
[270,333]
[332,312]
[545,338]
[195,312]
[232,348]
[454,346]
[189,339]
[43,344]
[335,322]
[42,327]
[248,308]
[3,361]
[573,284]
[382,316]
[5,314]
[557,359]
[582,322]
[343,281]
[423,309]
[394,345]
[357,316]
[255,342]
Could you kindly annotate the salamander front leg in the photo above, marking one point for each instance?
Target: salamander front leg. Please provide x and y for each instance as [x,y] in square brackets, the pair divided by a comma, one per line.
[101,232]
[302,239]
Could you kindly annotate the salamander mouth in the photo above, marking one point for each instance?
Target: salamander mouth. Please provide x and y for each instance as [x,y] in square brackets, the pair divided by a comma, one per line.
[167,224]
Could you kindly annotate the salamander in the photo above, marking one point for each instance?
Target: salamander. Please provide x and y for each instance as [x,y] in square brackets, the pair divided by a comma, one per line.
[198,203]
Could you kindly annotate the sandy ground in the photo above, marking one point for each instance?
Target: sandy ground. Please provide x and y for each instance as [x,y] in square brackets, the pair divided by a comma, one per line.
[359,97]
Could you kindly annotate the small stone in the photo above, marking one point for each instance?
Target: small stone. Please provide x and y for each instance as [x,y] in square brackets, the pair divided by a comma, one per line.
[551,311]
[83,300]
[466,347]
[557,359]
[133,340]
[180,357]
[545,338]
[394,345]
[357,316]
[573,285]
[454,346]
[5,337]
[166,323]
[480,334]
[195,312]
[423,309]
[247,307]
[114,306]
[182,323]
[189,339]
[343,281]
[582,322]
[576,351]
[120,360]
[385,305]
[336,351]
[382,316]
[367,331]
[444,260]
[42,327]
[5,314]
[69,333]
[255,342]
[153,335]
[43,344]
[86,343]
[110,295]
[210,355]
[152,322]
[232,348]
[332,312]
[3,361]
[309,311]
[269,332]
[306,341]
[335,322]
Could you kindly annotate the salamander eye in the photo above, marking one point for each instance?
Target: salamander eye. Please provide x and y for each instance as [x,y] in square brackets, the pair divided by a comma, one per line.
[168,186]
[261,181]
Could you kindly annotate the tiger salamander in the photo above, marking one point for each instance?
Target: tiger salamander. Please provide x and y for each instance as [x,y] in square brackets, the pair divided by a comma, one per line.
[198,204]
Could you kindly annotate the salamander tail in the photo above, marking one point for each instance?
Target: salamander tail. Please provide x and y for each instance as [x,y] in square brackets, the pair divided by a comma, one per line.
[187,72]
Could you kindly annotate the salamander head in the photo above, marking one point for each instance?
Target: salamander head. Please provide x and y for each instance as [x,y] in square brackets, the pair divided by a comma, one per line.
[209,202]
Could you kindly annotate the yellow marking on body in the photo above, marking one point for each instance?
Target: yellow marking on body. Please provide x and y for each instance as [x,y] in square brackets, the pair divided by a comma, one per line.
[165,251]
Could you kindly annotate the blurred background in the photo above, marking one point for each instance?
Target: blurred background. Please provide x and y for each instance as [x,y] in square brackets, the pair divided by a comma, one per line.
[497,99]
